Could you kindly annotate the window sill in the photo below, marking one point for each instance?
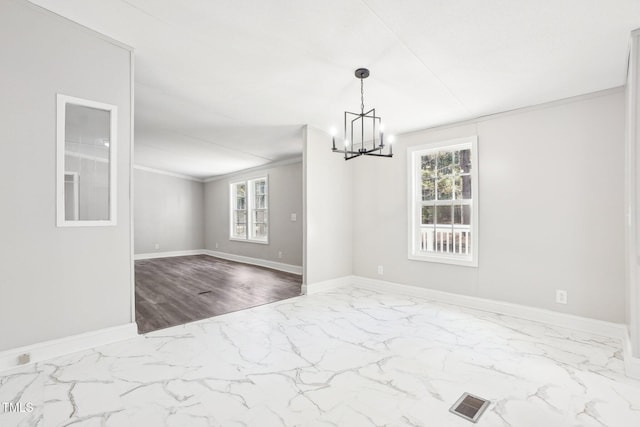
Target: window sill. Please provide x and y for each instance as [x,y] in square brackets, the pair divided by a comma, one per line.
[238,239]
[445,259]
[86,223]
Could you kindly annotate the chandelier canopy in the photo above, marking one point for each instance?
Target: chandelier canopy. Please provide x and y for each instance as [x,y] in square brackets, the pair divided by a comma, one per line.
[363,132]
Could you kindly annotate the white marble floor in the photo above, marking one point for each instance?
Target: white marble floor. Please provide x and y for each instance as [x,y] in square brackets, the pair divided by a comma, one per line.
[350,358]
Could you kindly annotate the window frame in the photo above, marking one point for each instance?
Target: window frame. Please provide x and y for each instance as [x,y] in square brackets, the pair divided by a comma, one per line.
[414,199]
[250,201]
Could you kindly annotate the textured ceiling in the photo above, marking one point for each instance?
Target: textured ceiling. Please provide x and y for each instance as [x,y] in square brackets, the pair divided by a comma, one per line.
[227,85]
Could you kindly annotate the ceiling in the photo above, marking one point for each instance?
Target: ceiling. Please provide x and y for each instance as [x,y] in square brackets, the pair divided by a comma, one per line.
[225,85]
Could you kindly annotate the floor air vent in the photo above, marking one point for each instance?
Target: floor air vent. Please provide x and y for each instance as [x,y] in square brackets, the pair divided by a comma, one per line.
[470,407]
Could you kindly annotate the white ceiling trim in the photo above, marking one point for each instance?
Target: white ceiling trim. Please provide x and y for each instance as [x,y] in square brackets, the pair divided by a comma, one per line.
[80,26]
[515,111]
[163,172]
[180,134]
[284,162]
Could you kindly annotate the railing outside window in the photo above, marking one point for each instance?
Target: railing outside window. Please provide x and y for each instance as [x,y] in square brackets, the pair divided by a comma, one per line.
[445,239]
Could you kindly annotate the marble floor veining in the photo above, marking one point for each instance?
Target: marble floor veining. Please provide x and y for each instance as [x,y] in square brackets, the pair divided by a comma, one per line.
[351,357]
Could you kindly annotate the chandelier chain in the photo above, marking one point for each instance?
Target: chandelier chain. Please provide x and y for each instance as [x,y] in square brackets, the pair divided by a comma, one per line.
[362,95]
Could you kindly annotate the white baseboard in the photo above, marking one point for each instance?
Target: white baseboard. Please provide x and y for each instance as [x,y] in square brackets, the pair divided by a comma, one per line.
[329,285]
[583,324]
[287,268]
[631,363]
[58,347]
[168,254]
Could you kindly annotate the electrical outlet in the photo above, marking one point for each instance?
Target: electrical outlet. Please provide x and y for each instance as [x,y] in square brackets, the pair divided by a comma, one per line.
[561,296]
[157,246]
[23,359]
[216,245]
[294,217]
[279,254]
[380,270]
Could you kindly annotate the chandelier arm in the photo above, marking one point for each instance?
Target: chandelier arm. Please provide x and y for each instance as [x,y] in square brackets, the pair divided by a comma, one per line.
[379,155]
[372,150]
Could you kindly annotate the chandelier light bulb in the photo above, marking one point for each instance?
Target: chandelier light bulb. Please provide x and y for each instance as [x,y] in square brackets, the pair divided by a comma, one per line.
[333,137]
[333,131]
[381,127]
[346,143]
[391,139]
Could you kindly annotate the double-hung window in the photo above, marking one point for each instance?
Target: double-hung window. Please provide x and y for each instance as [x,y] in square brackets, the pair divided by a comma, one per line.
[443,202]
[250,210]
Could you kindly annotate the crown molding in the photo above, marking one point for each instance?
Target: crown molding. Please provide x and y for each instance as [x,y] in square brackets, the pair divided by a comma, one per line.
[289,161]
[79,26]
[164,172]
[520,110]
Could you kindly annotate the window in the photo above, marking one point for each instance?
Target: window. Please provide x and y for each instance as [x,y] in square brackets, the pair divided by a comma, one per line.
[443,202]
[239,210]
[250,210]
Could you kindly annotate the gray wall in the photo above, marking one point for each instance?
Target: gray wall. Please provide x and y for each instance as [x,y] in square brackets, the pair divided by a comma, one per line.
[285,198]
[328,209]
[168,211]
[550,210]
[54,281]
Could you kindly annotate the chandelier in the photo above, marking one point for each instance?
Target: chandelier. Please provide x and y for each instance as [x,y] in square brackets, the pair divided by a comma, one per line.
[363,132]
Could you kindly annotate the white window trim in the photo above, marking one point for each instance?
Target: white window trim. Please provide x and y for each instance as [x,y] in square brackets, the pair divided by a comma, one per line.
[414,207]
[249,205]
[61,103]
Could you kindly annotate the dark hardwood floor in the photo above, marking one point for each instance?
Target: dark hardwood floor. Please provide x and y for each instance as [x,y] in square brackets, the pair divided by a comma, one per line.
[173,291]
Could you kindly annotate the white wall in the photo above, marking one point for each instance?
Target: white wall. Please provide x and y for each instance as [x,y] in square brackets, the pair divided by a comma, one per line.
[632,193]
[56,282]
[285,198]
[550,209]
[328,209]
[169,211]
